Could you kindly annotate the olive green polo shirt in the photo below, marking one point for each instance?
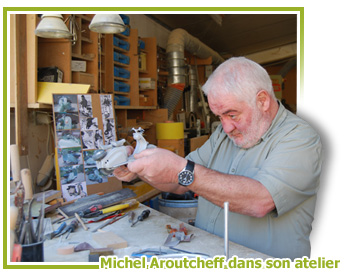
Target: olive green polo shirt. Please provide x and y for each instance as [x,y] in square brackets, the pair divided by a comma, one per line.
[287,162]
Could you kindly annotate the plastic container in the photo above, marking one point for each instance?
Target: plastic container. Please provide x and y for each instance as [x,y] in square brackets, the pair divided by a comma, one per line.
[33,252]
[125,19]
[121,100]
[126,32]
[121,86]
[120,43]
[182,209]
[118,57]
[121,72]
[141,44]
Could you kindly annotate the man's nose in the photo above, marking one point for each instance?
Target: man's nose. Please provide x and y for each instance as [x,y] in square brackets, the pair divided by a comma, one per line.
[228,126]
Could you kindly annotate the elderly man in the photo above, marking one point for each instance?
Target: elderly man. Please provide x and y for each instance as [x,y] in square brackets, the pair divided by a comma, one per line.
[262,159]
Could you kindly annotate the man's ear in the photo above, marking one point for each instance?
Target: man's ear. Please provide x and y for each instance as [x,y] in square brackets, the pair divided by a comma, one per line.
[263,100]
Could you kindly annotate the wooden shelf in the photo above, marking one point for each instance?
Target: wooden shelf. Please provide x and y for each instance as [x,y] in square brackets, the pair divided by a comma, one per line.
[121,93]
[119,49]
[121,79]
[120,64]
[82,57]
[121,36]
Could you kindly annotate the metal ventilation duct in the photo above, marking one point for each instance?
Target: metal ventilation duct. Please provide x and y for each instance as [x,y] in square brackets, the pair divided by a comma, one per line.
[180,41]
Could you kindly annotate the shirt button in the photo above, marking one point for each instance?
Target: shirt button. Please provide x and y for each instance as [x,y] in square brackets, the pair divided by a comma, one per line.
[233,170]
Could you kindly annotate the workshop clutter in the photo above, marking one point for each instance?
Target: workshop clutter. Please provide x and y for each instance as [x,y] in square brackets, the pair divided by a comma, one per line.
[32,220]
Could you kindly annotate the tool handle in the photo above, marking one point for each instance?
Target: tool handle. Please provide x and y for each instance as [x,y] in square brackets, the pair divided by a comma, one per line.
[81,221]
[72,226]
[128,204]
[60,228]
[144,215]
[27,182]
[15,162]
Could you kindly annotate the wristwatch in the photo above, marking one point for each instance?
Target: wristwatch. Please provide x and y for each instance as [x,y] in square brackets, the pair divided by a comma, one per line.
[186,176]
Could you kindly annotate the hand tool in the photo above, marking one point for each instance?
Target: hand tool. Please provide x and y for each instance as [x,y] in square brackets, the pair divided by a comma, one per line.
[128,204]
[110,221]
[131,216]
[91,209]
[40,228]
[56,232]
[81,221]
[142,217]
[70,228]
[104,217]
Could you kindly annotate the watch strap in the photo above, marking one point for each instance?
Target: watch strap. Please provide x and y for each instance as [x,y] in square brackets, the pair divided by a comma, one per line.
[190,166]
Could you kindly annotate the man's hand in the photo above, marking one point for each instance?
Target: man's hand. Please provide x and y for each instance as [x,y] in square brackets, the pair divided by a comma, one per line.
[158,167]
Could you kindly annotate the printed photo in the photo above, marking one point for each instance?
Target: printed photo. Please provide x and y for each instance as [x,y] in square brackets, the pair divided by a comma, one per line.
[65,103]
[69,174]
[88,123]
[74,191]
[94,176]
[68,138]
[69,156]
[67,121]
[85,105]
[107,106]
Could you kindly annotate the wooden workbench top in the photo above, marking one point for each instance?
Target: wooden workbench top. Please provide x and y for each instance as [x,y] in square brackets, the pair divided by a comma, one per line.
[150,233]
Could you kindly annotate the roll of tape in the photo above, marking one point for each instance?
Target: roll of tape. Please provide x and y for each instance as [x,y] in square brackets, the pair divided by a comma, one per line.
[169,130]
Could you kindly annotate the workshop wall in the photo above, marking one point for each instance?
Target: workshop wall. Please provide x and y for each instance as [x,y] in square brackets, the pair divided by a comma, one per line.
[37,144]
[148,28]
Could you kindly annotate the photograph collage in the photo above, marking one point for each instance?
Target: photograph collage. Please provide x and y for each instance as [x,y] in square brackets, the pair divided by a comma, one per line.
[80,131]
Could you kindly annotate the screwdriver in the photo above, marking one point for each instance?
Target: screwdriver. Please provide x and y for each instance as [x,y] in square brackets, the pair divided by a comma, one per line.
[142,216]
[71,227]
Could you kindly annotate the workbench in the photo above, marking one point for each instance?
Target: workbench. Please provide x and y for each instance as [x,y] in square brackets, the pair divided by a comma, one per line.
[150,233]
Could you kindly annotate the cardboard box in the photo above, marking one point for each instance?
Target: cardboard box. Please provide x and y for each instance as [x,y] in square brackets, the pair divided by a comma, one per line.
[85,78]
[174,145]
[147,83]
[78,66]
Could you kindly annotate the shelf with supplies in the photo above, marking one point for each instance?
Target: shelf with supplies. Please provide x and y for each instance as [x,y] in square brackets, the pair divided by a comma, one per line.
[76,61]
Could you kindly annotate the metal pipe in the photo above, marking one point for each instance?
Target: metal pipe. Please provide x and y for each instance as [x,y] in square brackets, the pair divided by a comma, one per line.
[226,230]
[179,41]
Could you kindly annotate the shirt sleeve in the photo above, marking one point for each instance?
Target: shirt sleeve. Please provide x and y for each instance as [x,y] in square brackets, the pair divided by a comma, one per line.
[292,168]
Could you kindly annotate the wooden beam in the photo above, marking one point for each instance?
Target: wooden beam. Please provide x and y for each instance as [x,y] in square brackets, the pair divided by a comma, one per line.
[21,92]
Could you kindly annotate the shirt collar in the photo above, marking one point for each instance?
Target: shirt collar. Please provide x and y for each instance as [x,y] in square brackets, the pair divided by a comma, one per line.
[278,119]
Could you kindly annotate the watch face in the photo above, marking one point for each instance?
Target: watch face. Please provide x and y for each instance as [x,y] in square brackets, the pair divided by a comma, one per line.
[185,178]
